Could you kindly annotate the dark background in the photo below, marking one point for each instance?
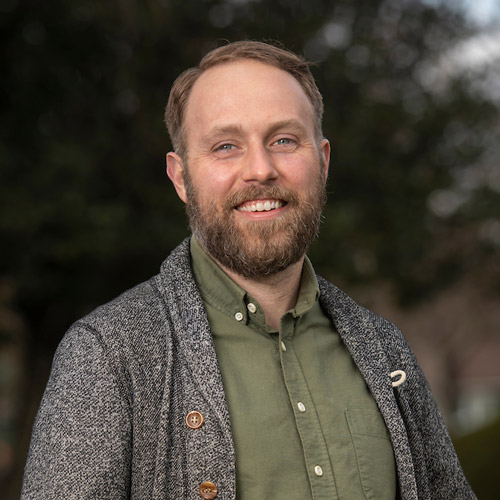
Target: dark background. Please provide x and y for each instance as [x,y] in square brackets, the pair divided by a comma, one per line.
[86,209]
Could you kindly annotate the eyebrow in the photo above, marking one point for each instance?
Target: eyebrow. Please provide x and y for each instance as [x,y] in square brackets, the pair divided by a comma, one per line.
[236,129]
[225,129]
[291,123]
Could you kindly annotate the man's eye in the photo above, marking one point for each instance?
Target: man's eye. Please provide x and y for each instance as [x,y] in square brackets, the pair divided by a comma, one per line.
[286,142]
[225,147]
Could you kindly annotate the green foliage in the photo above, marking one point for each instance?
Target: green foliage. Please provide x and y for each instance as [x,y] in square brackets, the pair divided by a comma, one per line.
[86,209]
[479,455]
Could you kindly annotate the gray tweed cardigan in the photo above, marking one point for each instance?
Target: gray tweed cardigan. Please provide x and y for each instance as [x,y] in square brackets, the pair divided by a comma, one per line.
[111,424]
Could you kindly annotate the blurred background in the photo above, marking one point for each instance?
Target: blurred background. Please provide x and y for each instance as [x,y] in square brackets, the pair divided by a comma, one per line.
[412,224]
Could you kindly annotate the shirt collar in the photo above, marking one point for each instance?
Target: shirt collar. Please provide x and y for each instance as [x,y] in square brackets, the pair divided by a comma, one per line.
[222,293]
[309,289]
[216,287]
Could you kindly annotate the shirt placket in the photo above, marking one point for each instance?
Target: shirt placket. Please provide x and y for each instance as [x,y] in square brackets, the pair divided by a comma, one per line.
[316,455]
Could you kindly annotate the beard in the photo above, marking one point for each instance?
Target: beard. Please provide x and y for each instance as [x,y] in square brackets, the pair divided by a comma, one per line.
[255,249]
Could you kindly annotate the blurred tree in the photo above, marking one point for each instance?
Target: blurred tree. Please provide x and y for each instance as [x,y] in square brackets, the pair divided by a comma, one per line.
[400,147]
[87,211]
[83,192]
[480,455]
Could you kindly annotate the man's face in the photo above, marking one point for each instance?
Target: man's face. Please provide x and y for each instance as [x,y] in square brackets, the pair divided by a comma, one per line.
[254,179]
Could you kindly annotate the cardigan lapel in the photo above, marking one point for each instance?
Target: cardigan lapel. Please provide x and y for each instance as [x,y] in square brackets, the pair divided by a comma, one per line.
[192,331]
[358,329]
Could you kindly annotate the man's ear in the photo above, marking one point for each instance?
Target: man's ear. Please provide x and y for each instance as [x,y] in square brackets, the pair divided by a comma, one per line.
[175,171]
[325,152]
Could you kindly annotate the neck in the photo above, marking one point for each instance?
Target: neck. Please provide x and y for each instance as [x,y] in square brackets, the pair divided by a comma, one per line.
[276,293]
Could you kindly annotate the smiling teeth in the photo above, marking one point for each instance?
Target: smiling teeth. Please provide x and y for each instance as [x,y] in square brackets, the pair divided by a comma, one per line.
[261,206]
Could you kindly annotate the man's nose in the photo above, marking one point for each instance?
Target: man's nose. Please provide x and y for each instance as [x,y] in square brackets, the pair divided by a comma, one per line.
[259,165]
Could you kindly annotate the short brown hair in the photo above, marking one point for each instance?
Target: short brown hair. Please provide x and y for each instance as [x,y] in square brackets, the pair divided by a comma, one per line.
[279,57]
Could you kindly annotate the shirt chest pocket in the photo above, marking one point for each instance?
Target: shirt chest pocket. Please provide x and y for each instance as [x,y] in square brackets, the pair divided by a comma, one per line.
[374,454]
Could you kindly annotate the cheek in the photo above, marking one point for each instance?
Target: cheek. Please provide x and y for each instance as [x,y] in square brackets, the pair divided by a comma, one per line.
[209,181]
[218,184]
[303,179]
[300,169]
[212,193]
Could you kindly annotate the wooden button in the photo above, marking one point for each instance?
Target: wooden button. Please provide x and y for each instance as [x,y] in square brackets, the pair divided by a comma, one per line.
[194,419]
[208,490]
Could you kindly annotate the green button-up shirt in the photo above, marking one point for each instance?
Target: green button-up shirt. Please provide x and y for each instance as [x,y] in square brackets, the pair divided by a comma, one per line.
[304,424]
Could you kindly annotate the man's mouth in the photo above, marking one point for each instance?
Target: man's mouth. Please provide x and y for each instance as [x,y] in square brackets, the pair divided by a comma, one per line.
[260,205]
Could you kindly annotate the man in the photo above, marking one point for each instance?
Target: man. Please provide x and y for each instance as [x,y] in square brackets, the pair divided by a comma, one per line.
[236,372]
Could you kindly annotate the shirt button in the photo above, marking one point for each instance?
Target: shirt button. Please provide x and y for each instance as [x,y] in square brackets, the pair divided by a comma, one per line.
[318,471]
[251,307]
[283,346]
[238,316]
[301,406]
[208,490]
[194,419]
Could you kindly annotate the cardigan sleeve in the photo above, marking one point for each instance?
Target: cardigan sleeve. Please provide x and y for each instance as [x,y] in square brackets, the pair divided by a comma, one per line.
[434,455]
[80,447]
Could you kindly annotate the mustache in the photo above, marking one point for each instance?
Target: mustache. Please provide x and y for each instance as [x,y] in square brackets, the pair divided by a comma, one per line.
[261,192]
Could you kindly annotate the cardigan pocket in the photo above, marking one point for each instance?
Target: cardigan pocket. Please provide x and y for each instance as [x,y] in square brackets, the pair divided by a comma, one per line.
[374,453]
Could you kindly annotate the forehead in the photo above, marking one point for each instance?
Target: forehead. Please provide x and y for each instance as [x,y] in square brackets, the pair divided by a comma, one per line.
[246,92]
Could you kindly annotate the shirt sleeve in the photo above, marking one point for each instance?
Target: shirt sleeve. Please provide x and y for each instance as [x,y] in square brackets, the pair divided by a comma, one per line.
[80,446]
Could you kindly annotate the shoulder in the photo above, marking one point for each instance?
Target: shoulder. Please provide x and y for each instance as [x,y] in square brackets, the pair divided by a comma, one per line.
[137,322]
[356,322]
[344,308]
[127,314]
